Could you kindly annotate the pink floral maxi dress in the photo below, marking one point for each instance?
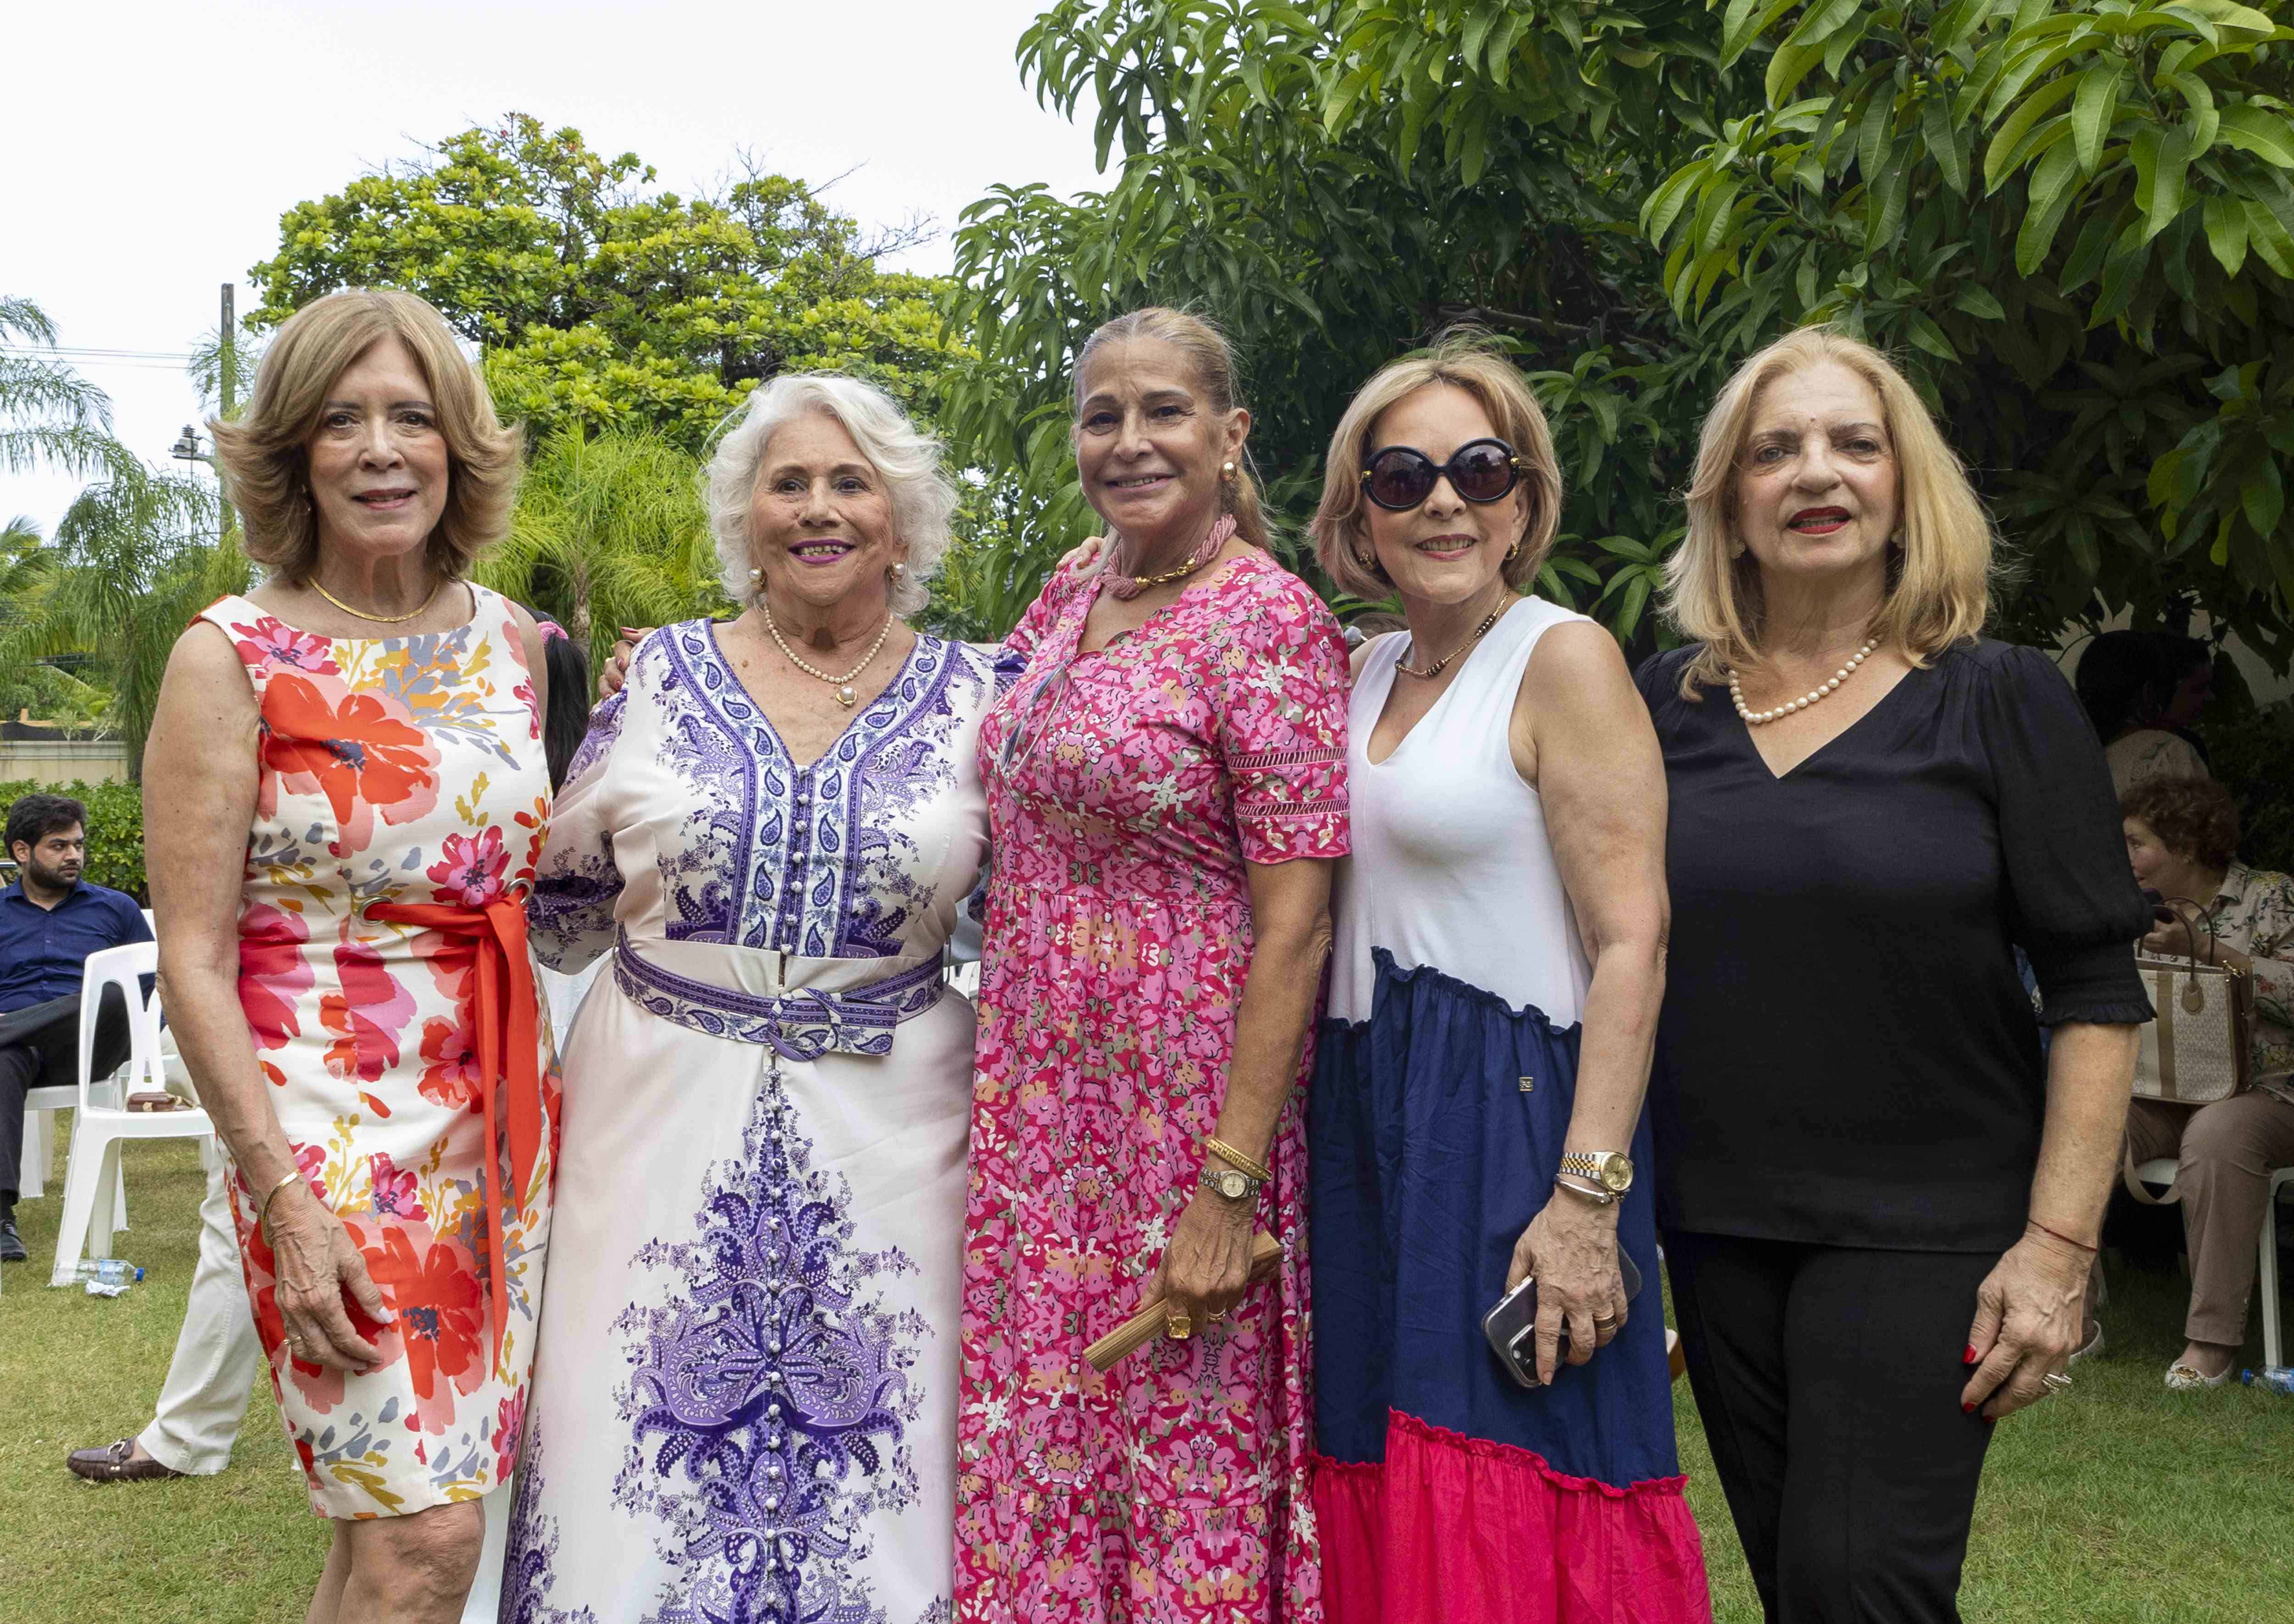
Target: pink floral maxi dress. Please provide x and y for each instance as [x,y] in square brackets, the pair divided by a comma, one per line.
[396,772]
[1127,790]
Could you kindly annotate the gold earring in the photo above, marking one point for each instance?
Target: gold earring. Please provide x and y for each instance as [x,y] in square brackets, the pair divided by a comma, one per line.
[1228,470]
[1736,550]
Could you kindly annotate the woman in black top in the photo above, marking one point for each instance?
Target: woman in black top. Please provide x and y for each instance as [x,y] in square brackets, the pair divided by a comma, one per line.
[1879,1202]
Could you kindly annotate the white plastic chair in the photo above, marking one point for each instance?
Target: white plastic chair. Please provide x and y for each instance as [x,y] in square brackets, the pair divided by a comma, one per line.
[2266,1282]
[40,1107]
[92,1179]
[2161,1170]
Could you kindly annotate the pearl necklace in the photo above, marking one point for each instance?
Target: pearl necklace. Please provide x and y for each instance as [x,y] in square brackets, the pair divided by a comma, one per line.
[1754,719]
[843,685]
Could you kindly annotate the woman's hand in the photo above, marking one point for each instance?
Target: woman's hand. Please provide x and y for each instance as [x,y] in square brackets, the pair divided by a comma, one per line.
[616,668]
[317,1262]
[1570,1248]
[2027,1324]
[1207,1263]
[1082,557]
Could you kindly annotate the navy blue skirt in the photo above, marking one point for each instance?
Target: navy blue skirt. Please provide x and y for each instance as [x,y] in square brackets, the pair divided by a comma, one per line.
[1436,1129]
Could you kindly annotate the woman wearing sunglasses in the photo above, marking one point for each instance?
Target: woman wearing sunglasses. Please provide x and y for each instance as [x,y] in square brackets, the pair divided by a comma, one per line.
[1166,793]
[1477,1100]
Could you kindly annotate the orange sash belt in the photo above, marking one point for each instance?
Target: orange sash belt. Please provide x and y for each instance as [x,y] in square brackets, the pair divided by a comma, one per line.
[508,1052]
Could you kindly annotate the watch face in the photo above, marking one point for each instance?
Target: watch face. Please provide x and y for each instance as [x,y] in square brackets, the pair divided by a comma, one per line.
[1616,1173]
[1234,1186]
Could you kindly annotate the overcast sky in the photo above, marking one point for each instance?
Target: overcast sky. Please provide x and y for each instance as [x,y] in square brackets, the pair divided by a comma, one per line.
[152,149]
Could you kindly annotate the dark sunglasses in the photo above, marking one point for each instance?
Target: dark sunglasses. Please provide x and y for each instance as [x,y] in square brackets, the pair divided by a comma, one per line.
[1399,478]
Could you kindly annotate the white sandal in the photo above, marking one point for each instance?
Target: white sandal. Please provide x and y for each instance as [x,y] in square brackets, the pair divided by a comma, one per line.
[2185,1378]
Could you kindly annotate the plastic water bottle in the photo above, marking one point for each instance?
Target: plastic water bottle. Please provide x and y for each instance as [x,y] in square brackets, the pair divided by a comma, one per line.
[2280,1378]
[106,1277]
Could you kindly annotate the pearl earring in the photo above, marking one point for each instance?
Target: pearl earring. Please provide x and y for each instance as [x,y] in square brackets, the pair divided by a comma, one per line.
[1227,469]
[900,572]
[755,575]
[1736,550]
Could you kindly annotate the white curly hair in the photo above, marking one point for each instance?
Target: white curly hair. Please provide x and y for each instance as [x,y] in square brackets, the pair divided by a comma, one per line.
[922,499]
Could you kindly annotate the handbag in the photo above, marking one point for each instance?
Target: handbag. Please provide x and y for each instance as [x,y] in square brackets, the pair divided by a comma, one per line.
[2198,1050]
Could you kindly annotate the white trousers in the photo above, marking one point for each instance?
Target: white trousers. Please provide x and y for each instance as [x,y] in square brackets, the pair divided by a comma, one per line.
[217,1357]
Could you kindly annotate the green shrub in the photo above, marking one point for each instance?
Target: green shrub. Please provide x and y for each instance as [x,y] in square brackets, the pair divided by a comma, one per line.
[114,830]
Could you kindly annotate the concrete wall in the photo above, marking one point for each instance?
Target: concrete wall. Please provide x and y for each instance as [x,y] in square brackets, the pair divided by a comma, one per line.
[60,761]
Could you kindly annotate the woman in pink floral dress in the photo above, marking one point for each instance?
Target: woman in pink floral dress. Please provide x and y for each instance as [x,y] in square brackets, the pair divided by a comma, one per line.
[347,791]
[1166,790]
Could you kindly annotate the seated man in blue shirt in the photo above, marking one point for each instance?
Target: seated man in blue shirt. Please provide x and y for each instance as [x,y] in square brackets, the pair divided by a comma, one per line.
[50,921]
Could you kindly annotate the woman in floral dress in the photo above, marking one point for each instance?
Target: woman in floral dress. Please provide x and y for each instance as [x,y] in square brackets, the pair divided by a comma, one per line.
[1166,791]
[348,978]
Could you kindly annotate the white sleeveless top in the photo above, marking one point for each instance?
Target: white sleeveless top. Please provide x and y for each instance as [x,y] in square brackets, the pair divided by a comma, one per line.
[1451,866]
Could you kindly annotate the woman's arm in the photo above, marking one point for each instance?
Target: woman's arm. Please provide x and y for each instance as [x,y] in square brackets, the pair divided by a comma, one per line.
[1207,1263]
[537,660]
[2028,1309]
[1582,735]
[199,783]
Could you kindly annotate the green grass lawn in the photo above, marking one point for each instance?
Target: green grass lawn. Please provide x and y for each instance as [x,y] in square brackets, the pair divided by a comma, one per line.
[2119,1504]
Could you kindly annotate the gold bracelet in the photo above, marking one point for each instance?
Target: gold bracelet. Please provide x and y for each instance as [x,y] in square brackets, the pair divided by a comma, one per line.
[1237,1161]
[263,1207]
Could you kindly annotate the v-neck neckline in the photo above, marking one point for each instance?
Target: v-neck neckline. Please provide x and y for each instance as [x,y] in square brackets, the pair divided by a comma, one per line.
[1393,673]
[1745,731]
[860,713]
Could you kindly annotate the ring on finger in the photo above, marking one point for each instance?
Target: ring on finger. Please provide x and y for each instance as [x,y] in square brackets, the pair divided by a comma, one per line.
[2054,1381]
[1179,1327]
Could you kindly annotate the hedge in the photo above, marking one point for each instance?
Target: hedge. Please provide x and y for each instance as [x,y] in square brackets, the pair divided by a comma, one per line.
[114,830]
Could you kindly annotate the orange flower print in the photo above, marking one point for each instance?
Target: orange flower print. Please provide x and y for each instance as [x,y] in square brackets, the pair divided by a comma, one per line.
[366,1017]
[272,973]
[363,751]
[470,874]
[433,1288]
[451,1074]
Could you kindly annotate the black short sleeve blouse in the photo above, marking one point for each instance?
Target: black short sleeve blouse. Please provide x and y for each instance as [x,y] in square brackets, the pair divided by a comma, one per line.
[1847,1054]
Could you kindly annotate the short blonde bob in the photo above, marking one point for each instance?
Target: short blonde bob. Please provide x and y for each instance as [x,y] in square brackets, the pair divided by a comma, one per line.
[906,459]
[265,457]
[1940,579]
[1468,360]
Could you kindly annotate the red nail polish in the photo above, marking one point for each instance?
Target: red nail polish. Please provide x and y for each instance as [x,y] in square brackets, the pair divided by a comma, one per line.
[1968,1410]
[1968,1358]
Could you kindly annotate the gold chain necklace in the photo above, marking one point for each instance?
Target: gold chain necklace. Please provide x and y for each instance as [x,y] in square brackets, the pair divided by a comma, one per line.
[843,685]
[1436,669]
[380,620]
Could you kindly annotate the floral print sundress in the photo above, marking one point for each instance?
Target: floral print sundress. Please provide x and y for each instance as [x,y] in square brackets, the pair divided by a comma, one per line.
[1127,790]
[395,770]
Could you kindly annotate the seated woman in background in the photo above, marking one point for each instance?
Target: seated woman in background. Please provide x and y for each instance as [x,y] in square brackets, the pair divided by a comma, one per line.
[2181,838]
[2143,691]
[1500,959]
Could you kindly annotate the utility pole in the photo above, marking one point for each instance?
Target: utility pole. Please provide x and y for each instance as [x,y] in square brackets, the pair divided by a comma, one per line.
[228,380]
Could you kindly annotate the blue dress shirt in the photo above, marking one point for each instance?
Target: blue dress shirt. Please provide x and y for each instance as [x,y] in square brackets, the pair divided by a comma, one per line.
[41,949]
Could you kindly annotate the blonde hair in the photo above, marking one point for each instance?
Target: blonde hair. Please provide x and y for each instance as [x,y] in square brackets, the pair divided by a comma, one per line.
[1210,362]
[264,458]
[1940,581]
[922,500]
[1467,361]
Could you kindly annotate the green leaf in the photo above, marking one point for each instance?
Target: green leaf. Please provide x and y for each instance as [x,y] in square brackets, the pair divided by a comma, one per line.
[2268,136]
[1977,301]
[2162,199]
[2225,223]
[1927,336]
[1942,138]
[1803,47]
[2264,498]
[2092,108]
[2054,185]
[2009,145]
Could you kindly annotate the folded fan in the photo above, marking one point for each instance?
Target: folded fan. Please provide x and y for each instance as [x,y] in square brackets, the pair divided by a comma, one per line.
[1148,1321]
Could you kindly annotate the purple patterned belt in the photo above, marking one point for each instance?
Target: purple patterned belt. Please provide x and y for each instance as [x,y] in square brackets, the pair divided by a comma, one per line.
[802,1024]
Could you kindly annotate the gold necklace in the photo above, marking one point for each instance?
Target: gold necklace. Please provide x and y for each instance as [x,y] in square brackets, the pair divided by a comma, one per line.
[843,685]
[382,620]
[1435,669]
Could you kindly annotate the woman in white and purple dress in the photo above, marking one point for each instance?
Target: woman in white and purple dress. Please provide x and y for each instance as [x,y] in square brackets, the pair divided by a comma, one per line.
[745,1408]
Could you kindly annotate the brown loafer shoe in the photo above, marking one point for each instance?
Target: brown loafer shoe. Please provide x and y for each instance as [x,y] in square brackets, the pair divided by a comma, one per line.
[115,1463]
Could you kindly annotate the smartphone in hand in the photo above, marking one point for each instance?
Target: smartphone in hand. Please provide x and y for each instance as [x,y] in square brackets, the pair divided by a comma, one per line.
[1511,1327]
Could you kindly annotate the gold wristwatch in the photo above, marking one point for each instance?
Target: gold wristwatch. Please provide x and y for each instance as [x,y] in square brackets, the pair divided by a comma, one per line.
[1611,1170]
[1230,1185]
